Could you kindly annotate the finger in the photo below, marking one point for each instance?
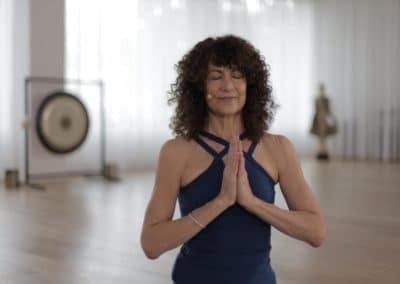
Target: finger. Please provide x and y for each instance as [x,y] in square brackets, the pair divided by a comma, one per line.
[236,144]
[242,168]
[241,155]
[231,153]
[242,160]
[240,146]
[240,164]
[235,155]
[232,147]
[238,150]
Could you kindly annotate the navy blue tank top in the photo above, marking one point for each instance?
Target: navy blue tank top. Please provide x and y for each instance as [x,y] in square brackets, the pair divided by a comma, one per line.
[234,248]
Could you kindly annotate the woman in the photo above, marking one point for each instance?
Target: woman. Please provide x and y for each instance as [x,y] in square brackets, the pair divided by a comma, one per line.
[222,167]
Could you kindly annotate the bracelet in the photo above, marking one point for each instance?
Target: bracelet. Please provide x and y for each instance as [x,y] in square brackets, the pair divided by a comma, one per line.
[194,220]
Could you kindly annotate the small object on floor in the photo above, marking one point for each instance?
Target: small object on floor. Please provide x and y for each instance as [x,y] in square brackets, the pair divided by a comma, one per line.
[11,178]
[322,157]
[111,172]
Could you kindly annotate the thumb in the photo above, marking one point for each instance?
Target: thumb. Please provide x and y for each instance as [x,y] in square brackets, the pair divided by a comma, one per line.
[242,162]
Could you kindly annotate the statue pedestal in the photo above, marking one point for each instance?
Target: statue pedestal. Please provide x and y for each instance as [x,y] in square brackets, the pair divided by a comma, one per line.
[323,156]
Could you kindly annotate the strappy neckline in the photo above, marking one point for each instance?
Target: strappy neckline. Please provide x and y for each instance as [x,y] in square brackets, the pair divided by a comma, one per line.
[219,139]
[222,141]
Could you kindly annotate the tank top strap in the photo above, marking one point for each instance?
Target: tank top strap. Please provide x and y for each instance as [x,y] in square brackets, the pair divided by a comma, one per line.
[251,148]
[214,138]
[207,147]
[217,139]
[223,152]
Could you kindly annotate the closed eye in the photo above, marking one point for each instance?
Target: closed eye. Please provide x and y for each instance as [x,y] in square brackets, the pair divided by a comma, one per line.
[237,75]
[215,77]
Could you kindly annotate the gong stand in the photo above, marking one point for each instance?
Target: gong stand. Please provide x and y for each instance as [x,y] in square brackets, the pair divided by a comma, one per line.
[52,106]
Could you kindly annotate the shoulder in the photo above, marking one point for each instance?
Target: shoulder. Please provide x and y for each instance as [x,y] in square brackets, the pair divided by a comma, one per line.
[175,150]
[275,141]
[280,147]
[178,143]
[282,151]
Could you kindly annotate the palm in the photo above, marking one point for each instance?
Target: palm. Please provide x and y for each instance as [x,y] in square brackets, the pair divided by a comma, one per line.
[229,181]
[235,184]
[244,193]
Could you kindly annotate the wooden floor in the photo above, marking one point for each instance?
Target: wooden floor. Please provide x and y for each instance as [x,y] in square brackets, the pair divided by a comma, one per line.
[87,230]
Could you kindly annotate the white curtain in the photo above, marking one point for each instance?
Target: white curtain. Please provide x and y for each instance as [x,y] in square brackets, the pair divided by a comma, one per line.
[14,66]
[133,46]
[351,46]
[7,131]
[357,47]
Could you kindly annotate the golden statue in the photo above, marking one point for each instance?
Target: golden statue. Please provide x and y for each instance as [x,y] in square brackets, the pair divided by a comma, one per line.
[324,123]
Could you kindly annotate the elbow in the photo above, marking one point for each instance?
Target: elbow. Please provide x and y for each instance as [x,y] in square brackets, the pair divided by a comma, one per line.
[319,238]
[148,250]
[317,242]
[150,255]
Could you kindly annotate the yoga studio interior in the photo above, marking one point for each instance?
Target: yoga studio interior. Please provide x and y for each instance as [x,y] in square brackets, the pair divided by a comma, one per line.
[86,109]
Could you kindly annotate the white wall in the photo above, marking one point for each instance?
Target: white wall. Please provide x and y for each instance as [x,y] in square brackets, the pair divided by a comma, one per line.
[47,38]
[37,50]
[12,142]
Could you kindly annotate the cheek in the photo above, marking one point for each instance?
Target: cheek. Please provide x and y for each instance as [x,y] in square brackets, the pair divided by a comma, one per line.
[241,86]
[243,100]
[244,87]
[243,97]
[243,91]
[211,88]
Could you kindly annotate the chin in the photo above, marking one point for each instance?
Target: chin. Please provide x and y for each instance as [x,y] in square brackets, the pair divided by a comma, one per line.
[226,112]
[226,109]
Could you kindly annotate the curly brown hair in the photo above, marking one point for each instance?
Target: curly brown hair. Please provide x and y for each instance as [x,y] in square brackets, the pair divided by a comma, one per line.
[188,91]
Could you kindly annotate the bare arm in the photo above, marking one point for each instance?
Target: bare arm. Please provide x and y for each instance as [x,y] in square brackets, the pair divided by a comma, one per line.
[303,220]
[160,233]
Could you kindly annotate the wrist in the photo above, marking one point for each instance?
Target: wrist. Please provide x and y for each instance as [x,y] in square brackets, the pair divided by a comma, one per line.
[223,201]
[249,202]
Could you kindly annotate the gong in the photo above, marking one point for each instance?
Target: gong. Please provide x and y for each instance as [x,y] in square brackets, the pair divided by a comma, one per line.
[62,122]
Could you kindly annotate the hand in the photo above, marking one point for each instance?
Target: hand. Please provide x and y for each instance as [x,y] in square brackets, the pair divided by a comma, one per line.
[229,181]
[244,193]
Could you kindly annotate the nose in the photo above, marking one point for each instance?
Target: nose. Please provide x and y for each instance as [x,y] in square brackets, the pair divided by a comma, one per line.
[227,84]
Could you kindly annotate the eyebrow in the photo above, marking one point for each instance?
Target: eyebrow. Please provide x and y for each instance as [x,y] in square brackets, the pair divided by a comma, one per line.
[214,69]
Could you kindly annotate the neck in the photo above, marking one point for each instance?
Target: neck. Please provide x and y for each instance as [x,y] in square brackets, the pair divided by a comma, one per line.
[224,126]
